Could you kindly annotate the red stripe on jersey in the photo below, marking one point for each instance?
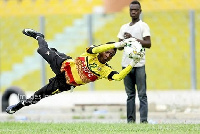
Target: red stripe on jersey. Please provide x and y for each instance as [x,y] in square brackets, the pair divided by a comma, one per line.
[69,73]
[91,76]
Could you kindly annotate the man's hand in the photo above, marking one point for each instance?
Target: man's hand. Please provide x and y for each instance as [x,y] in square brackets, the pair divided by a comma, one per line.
[132,39]
[127,35]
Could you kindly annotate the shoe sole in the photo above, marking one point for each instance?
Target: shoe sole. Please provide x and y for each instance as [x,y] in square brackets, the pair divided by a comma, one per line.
[25,32]
[33,31]
[9,111]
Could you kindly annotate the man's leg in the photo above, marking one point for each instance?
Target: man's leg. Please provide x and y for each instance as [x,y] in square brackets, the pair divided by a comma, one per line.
[55,85]
[129,83]
[141,87]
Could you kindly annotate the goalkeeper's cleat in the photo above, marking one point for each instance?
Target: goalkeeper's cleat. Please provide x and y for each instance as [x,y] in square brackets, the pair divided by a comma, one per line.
[32,33]
[13,108]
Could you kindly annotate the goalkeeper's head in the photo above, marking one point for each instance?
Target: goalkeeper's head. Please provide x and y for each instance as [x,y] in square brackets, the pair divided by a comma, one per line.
[107,55]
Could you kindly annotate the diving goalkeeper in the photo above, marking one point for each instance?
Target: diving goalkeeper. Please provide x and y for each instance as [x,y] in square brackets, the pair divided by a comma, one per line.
[88,67]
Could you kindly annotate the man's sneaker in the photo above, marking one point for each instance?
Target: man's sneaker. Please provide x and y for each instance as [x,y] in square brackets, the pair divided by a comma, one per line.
[144,122]
[32,33]
[13,108]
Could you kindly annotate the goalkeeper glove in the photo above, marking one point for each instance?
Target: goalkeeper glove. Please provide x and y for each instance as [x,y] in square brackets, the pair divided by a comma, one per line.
[137,57]
[119,44]
[124,42]
[135,60]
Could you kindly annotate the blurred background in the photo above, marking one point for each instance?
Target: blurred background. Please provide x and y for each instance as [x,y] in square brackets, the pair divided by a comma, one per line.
[67,23]
[172,63]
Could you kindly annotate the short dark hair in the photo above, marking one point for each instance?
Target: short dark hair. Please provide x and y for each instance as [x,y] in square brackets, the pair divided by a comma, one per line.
[136,2]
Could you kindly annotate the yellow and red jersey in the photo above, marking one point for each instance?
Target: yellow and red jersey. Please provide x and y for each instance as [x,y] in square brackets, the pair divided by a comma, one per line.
[87,68]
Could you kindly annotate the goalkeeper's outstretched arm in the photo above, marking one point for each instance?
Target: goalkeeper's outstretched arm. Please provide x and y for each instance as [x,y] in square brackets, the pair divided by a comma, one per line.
[105,47]
[125,71]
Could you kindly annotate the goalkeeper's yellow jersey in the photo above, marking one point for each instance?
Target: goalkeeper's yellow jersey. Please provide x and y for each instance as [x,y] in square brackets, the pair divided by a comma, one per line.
[87,68]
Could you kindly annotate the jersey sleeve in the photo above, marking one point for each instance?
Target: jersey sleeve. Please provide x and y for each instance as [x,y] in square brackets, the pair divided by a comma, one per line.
[120,35]
[122,74]
[111,75]
[100,48]
[146,30]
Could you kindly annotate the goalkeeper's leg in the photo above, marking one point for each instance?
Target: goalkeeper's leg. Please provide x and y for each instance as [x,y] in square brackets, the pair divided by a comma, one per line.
[56,85]
[51,55]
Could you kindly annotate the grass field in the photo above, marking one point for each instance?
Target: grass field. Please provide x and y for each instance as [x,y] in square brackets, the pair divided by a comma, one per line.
[96,128]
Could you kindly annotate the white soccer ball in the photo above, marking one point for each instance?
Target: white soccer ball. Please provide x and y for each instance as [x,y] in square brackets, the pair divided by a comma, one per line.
[133,48]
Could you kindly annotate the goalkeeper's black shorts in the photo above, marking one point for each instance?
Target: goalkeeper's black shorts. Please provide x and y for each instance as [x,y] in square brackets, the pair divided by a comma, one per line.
[55,59]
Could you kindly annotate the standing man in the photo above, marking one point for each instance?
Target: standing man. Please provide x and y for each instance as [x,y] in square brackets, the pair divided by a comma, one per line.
[137,76]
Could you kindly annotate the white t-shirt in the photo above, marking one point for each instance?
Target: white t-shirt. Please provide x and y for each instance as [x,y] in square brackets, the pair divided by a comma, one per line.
[139,30]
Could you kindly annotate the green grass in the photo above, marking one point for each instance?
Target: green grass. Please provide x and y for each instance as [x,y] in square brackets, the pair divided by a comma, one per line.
[96,128]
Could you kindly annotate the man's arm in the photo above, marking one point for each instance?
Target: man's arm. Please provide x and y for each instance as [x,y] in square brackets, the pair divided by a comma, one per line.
[146,42]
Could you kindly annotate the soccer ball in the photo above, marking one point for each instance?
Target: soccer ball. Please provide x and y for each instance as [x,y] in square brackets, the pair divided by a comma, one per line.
[133,49]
